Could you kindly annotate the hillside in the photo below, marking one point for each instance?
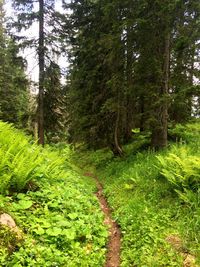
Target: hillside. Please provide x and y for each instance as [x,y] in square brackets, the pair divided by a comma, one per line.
[58,217]
[154,197]
[49,192]
[99,133]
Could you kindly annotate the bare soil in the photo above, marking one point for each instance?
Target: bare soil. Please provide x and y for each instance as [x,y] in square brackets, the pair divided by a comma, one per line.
[113,247]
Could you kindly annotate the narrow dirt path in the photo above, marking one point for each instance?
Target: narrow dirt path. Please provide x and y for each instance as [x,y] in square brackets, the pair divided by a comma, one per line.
[113,253]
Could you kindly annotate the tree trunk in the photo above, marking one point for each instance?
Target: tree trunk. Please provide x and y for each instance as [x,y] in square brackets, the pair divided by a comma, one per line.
[191,72]
[142,114]
[41,74]
[159,133]
[128,121]
[129,99]
[117,148]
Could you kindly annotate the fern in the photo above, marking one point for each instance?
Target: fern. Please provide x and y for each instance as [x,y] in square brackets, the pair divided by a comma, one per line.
[182,169]
[21,161]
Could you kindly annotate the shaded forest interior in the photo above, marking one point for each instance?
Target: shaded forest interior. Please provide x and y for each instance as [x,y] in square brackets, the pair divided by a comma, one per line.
[133,65]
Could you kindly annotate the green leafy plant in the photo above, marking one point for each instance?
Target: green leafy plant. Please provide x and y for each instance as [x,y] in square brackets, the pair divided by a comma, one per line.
[22,162]
[61,220]
[185,133]
[18,159]
[181,168]
[145,205]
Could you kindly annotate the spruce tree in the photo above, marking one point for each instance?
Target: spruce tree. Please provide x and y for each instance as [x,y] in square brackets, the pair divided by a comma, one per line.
[54,104]
[42,14]
[185,58]
[127,68]
[13,82]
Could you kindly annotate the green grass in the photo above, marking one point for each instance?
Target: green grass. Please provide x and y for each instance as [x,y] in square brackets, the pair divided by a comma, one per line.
[53,206]
[154,196]
[147,205]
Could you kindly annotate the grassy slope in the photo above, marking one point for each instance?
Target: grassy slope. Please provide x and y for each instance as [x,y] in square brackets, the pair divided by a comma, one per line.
[61,221]
[159,229]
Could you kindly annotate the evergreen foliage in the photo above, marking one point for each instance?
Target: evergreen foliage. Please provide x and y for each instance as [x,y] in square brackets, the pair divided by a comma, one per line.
[132,84]
[14,96]
[54,105]
[132,65]
[43,15]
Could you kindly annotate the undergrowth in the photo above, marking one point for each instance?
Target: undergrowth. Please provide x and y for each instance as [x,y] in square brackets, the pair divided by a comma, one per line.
[154,196]
[155,199]
[53,206]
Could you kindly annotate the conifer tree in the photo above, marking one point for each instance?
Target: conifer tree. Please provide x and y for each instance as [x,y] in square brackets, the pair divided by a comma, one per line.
[13,82]
[41,13]
[54,104]
[185,58]
[128,68]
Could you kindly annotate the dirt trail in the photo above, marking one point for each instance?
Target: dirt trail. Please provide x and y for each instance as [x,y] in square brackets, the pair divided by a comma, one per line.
[113,253]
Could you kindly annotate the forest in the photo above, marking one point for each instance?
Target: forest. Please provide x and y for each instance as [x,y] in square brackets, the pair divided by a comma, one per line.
[100,153]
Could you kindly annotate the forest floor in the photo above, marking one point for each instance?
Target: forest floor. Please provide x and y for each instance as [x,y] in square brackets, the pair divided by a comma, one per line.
[158,218]
[89,208]
[113,246]
[58,216]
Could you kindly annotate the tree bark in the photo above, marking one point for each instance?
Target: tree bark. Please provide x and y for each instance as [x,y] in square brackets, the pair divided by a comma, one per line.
[166,90]
[41,75]
[117,148]
[129,99]
[191,71]
[141,114]
[159,133]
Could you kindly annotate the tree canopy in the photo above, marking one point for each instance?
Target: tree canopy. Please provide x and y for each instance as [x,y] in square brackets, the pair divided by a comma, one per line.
[132,64]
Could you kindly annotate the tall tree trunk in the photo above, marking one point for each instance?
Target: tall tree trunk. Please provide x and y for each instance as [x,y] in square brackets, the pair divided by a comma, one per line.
[166,89]
[128,119]
[141,102]
[117,148]
[159,133]
[129,99]
[41,74]
[115,144]
[191,72]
